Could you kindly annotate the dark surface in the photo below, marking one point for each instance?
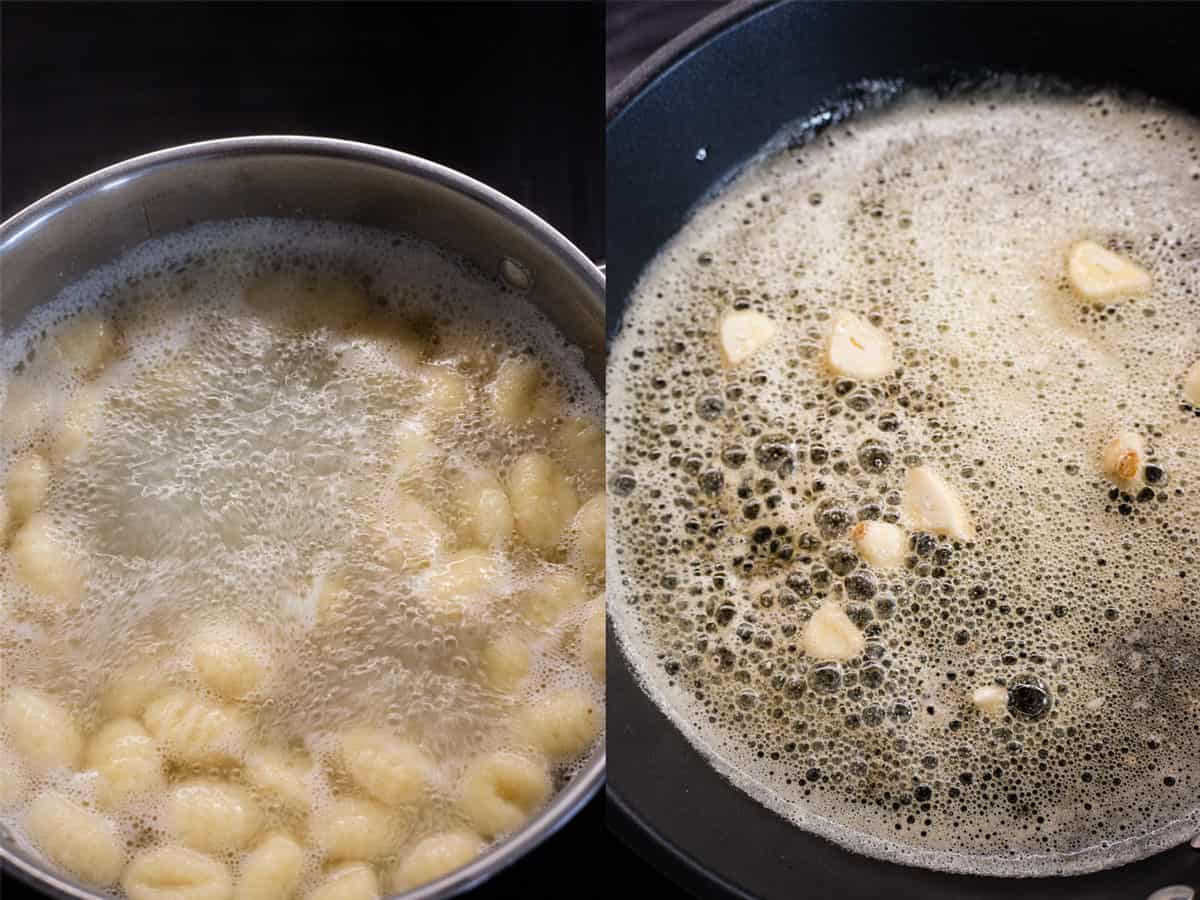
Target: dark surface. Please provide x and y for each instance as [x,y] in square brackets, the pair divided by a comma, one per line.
[509,94]
[730,96]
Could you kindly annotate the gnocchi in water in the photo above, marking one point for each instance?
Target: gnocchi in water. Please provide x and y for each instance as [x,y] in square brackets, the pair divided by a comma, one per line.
[301,567]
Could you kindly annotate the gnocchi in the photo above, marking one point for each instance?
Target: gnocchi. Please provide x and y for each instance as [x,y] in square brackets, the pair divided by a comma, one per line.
[503,789]
[487,513]
[272,870]
[291,552]
[591,640]
[580,444]
[176,873]
[41,730]
[127,762]
[354,828]
[515,390]
[212,816]
[413,535]
[354,881]
[464,579]
[383,339]
[555,595]
[316,603]
[229,660]
[84,344]
[192,730]
[282,777]
[27,485]
[444,390]
[562,725]
[388,768]
[589,533]
[416,452]
[435,856]
[44,564]
[130,692]
[543,501]
[81,841]
[507,662]
[81,422]
[27,408]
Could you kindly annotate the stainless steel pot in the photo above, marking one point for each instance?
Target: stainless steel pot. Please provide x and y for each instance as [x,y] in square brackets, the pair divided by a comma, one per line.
[94,220]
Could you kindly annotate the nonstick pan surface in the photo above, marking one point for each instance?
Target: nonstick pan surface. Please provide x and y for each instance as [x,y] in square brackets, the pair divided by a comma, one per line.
[726,87]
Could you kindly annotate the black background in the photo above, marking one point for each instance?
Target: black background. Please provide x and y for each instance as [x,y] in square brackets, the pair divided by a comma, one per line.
[511,94]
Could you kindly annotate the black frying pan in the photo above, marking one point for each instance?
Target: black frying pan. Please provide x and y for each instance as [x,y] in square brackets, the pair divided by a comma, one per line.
[727,86]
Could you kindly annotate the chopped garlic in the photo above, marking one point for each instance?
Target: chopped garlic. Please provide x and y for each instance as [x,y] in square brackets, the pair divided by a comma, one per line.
[882,544]
[830,634]
[1097,273]
[1123,457]
[991,700]
[933,505]
[743,333]
[857,349]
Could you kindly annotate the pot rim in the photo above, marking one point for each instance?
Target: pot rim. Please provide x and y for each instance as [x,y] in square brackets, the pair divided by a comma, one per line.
[25,224]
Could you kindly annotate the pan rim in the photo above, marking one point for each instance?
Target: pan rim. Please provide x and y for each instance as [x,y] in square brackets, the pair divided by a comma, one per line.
[658,66]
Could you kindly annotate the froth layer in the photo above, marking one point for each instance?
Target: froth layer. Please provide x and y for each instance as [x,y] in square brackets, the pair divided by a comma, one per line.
[946,225]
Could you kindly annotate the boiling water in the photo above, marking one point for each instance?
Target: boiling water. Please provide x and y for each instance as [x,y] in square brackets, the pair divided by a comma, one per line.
[946,223]
[239,463]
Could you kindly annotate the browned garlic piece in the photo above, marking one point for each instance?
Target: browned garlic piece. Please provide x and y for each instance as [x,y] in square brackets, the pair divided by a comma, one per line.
[1123,457]
[881,544]
[933,505]
[830,634]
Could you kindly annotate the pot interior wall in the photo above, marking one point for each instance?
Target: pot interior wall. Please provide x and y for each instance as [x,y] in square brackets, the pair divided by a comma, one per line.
[94,225]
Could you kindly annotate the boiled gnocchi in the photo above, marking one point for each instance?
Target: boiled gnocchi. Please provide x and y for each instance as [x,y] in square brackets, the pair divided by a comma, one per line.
[552,597]
[300,562]
[81,841]
[193,730]
[561,725]
[435,856]
[354,828]
[272,870]
[41,729]
[211,816]
[589,533]
[507,660]
[591,640]
[503,789]
[45,564]
[229,660]
[486,511]
[176,873]
[127,761]
[388,768]
[281,777]
[353,881]
[27,484]
[543,501]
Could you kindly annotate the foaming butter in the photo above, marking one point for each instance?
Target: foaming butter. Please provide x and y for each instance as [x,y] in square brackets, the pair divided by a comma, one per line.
[904,521]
